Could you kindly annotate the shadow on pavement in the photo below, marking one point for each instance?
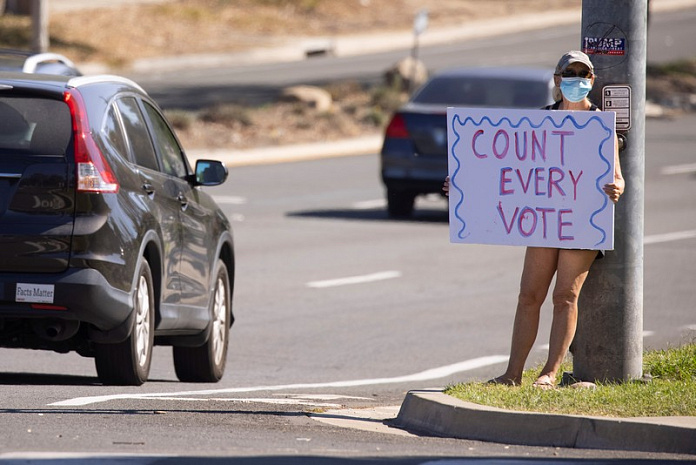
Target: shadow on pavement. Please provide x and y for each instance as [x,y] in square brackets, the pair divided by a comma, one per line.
[43,379]
[419,216]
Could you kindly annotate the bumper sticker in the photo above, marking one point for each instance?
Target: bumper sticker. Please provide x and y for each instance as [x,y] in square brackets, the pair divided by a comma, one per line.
[38,293]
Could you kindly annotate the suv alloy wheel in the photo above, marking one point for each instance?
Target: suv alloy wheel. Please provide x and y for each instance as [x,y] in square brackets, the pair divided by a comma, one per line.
[128,362]
[206,363]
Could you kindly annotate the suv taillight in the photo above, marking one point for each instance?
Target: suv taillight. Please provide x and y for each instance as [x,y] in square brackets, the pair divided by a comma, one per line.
[397,128]
[93,172]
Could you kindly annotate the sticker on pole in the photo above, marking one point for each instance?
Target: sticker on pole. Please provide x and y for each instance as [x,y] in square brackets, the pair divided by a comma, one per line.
[531,177]
[615,46]
[617,98]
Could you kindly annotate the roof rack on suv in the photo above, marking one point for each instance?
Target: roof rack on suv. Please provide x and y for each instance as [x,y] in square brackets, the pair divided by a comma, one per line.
[33,61]
[84,80]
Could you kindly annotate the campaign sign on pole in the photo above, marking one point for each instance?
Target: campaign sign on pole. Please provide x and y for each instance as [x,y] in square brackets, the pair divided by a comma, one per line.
[531,177]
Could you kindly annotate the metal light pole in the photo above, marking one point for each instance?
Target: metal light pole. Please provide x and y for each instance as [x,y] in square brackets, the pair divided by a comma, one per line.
[39,19]
[420,24]
[609,341]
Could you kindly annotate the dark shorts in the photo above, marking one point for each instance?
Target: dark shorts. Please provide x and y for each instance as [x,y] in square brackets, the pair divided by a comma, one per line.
[600,253]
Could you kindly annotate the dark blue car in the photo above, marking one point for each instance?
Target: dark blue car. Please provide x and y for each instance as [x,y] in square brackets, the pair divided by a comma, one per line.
[414,153]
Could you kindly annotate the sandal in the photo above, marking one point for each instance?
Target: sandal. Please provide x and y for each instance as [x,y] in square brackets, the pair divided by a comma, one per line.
[545,382]
[502,381]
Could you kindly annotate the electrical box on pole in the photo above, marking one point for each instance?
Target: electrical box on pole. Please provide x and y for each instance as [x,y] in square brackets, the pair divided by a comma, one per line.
[608,345]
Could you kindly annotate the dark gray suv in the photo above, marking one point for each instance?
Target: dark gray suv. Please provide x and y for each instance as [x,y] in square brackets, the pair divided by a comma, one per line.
[108,244]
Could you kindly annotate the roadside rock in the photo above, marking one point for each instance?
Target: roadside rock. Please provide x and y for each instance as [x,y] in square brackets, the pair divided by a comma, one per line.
[314,97]
[407,73]
[583,385]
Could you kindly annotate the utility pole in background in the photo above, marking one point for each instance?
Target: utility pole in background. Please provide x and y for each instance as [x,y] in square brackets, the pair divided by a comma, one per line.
[609,340]
[39,22]
[420,24]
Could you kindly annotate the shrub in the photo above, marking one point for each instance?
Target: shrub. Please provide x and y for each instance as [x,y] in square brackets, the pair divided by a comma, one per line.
[227,114]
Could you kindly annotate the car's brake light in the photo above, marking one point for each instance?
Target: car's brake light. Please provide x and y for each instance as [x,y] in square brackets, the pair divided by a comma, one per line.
[397,128]
[93,172]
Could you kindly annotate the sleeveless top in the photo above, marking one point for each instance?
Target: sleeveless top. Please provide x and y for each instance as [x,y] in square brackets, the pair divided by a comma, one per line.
[557,105]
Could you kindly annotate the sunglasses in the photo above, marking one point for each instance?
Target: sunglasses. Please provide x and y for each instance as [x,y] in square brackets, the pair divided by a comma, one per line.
[581,74]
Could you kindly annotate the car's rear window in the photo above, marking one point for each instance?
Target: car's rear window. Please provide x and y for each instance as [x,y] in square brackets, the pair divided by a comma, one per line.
[33,125]
[485,92]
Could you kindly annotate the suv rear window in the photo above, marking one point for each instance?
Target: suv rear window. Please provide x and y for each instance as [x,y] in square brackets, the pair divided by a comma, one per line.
[489,92]
[34,126]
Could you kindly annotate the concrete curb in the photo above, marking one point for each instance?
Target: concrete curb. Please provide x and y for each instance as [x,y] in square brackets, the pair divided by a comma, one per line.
[438,414]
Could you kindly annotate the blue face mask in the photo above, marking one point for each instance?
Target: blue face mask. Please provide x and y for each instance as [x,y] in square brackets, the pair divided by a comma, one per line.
[575,89]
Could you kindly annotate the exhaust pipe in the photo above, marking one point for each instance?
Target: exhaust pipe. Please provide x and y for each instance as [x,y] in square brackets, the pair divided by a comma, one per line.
[55,330]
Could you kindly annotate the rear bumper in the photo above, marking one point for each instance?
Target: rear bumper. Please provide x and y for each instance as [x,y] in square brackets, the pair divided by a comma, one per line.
[417,186]
[403,170]
[78,294]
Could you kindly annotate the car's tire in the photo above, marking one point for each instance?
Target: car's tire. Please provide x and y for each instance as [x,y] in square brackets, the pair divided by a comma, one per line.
[206,363]
[128,362]
[400,203]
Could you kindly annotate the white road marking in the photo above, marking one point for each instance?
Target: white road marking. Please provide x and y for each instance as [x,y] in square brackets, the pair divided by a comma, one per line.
[324,397]
[370,204]
[355,279]
[229,199]
[382,203]
[427,375]
[669,237]
[679,169]
[369,419]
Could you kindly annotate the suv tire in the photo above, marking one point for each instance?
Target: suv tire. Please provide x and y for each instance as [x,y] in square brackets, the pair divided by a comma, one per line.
[128,362]
[400,203]
[206,363]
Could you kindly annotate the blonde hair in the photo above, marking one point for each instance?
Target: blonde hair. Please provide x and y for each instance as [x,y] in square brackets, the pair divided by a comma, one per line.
[556,94]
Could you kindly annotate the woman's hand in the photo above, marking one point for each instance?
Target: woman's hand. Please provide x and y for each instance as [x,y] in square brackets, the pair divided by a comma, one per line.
[615,189]
[445,186]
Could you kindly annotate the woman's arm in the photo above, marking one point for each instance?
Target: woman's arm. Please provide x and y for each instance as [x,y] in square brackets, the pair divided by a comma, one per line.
[616,188]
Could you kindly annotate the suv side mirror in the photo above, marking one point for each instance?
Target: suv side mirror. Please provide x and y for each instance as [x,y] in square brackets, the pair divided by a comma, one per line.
[210,173]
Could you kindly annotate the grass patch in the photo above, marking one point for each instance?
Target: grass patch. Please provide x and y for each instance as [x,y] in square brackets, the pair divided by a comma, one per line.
[671,392]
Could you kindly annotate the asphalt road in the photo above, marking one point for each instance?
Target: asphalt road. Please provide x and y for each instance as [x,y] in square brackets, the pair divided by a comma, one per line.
[308,342]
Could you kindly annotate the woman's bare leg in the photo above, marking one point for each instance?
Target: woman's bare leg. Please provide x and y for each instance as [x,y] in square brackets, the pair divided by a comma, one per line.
[539,268]
[573,267]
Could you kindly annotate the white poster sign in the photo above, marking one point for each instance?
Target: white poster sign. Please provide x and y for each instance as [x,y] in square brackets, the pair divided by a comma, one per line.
[531,177]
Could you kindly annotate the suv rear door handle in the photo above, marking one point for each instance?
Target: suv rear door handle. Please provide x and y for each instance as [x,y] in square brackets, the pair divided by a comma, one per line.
[182,200]
[147,187]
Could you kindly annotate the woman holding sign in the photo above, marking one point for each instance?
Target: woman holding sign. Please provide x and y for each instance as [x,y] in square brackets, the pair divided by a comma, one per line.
[574,78]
